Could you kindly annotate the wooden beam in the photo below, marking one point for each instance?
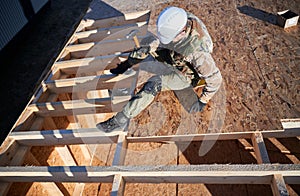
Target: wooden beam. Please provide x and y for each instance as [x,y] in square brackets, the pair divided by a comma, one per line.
[117,21]
[88,83]
[118,186]
[90,65]
[120,153]
[94,136]
[111,33]
[290,123]
[278,186]
[65,137]
[105,47]
[220,136]
[260,148]
[65,155]
[208,174]
[77,107]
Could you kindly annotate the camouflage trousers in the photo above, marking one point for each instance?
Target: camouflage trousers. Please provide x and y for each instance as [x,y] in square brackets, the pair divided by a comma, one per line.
[171,79]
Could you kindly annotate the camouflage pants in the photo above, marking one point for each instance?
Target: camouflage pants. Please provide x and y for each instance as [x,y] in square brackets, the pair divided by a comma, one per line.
[172,80]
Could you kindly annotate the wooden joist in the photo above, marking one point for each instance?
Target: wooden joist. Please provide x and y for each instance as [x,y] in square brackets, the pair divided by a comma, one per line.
[59,137]
[292,132]
[77,107]
[126,19]
[64,137]
[112,33]
[208,174]
[105,47]
[260,148]
[89,65]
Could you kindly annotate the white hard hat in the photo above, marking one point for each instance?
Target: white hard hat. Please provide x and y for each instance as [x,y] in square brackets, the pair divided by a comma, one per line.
[169,23]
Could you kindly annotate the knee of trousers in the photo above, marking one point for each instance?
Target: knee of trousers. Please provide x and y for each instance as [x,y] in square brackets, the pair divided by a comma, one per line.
[153,86]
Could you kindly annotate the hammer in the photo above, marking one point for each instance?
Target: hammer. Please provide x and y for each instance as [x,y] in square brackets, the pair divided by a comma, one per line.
[132,35]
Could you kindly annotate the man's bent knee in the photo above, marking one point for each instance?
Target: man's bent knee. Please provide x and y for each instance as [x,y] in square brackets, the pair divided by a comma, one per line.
[153,86]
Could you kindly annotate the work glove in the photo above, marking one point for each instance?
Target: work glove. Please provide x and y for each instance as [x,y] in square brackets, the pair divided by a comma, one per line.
[135,57]
[121,68]
[198,106]
[139,54]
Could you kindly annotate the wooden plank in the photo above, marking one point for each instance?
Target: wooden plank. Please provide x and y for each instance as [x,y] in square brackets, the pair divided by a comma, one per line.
[65,155]
[77,107]
[90,65]
[120,153]
[260,148]
[278,186]
[105,47]
[65,137]
[290,123]
[117,21]
[219,136]
[88,83]
[37,124]
[118,186]
[78,190]
[208,174]
[60,137]
[287,132]
[111,33]
[19,156]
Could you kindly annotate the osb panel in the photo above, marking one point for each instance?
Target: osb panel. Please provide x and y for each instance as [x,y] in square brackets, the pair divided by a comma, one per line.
[212,189]
[133,189]
[151,154]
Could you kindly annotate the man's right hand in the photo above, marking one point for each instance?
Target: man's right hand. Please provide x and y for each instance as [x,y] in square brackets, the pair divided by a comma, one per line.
[121,68]
[139,54]
[135,57]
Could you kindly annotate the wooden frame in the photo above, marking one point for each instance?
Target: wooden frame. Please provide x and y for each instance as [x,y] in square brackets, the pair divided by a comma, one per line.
[66,92]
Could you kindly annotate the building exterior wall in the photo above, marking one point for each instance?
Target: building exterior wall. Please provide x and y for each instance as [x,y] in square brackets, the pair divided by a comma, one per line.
[14,16]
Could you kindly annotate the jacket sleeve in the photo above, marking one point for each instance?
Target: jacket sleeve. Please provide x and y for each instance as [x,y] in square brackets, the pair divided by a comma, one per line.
[207,69]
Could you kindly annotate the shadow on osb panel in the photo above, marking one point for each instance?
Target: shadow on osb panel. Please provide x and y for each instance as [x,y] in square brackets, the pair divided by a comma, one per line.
[239,189]
[100,10]
[278,152]
[258,14]
[292,145]
[222,152]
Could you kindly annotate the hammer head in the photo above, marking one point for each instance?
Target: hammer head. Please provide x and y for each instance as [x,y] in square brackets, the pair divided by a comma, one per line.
[132,33]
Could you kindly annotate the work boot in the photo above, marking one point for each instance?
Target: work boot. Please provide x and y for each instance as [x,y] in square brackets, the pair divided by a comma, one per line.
[117,123]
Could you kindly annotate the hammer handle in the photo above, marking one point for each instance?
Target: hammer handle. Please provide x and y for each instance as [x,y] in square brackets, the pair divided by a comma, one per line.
[136,42]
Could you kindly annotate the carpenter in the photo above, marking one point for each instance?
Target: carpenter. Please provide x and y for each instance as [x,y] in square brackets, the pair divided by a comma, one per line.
[184,45]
